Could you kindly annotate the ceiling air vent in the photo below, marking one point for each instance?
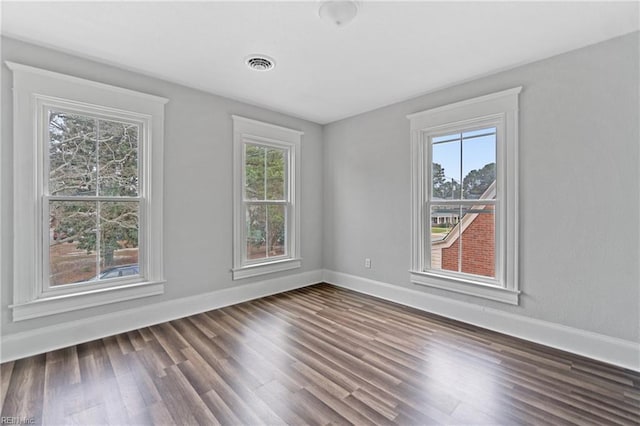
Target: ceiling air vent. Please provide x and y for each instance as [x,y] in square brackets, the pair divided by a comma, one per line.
[260,62]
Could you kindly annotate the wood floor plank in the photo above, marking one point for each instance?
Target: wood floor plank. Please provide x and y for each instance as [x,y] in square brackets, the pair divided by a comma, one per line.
[184,401]
[143,380]
[55,397]
[314,411]
[134,402]
[224,389]
[124,343]
[341,407]
[219,409]
[282,401]
[171,341]
[160,415]
[25,393]
[137,339]
[318,355]
[6,370]
[378,405]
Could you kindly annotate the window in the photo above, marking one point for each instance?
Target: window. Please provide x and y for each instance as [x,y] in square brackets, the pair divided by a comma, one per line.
[90,195]
[87,193]
[266,215]
[464,166]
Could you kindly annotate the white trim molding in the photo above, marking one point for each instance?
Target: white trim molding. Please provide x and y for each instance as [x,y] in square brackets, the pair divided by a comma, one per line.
[32,342]
[266,268]
[35,93]
[615,351]
[13,66]
[463,286]
[86,299]
[498,111]
[252,132]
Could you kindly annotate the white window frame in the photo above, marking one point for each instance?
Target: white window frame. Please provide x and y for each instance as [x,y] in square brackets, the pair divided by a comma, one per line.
[35,92]
[253,132]
[499,110]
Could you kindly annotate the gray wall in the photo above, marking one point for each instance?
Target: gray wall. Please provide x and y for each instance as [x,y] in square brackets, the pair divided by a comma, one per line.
[198,187]
[579,188]
[579,161]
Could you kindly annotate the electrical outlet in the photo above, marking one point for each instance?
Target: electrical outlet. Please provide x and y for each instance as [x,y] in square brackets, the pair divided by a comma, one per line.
[367,263]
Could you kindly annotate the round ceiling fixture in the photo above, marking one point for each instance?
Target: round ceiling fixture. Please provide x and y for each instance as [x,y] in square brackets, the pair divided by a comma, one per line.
[260,62]
[338,12]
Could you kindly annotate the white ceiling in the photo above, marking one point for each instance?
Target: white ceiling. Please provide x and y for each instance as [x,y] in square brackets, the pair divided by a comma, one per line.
[390,52]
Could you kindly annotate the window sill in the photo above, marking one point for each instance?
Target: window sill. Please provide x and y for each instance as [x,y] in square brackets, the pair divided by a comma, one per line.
[469,287]
[266,268]
[71,302]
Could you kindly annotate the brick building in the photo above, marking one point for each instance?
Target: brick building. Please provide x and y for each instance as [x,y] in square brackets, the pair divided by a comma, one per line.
[476,232]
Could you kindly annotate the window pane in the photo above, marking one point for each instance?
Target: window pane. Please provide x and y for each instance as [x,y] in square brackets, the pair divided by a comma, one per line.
[117,159]
[72,154]
[118,239]
[463,239]
[276,173]
[276,230]
[443,219]
[254,172]
[72,242]
[479,164]
[443,234]
[256,231]
[445,138]
[446,170]
[481,132]
[74,236]
[266,231]
[479,241]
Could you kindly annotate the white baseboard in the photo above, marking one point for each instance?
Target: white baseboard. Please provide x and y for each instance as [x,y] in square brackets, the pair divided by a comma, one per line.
[611,350]
[32,342]
[622,353]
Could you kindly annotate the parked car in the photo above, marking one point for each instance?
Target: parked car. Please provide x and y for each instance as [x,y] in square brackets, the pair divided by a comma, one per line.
[118,271]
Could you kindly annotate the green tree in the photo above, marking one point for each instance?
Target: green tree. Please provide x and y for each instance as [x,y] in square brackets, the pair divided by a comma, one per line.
[93,157]
[265,171]
[444,187]
[438,180]
[476,182]
[254,172]
[275,176]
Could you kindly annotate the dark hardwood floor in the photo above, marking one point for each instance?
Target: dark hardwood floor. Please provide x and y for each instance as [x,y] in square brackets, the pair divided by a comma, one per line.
[318,355]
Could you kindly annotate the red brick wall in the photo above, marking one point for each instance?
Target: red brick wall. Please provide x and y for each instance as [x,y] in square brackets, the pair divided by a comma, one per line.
[478,248]
[450,257]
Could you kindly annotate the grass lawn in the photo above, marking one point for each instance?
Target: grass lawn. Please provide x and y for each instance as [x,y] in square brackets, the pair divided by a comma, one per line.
[439,230]
[69,264]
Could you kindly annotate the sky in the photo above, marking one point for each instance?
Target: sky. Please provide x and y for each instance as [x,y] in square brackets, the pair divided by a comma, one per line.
[476,152]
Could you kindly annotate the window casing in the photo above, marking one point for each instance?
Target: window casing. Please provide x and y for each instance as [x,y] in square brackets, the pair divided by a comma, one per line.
[92,196]
[87,193]
[464,197]
[266,214]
